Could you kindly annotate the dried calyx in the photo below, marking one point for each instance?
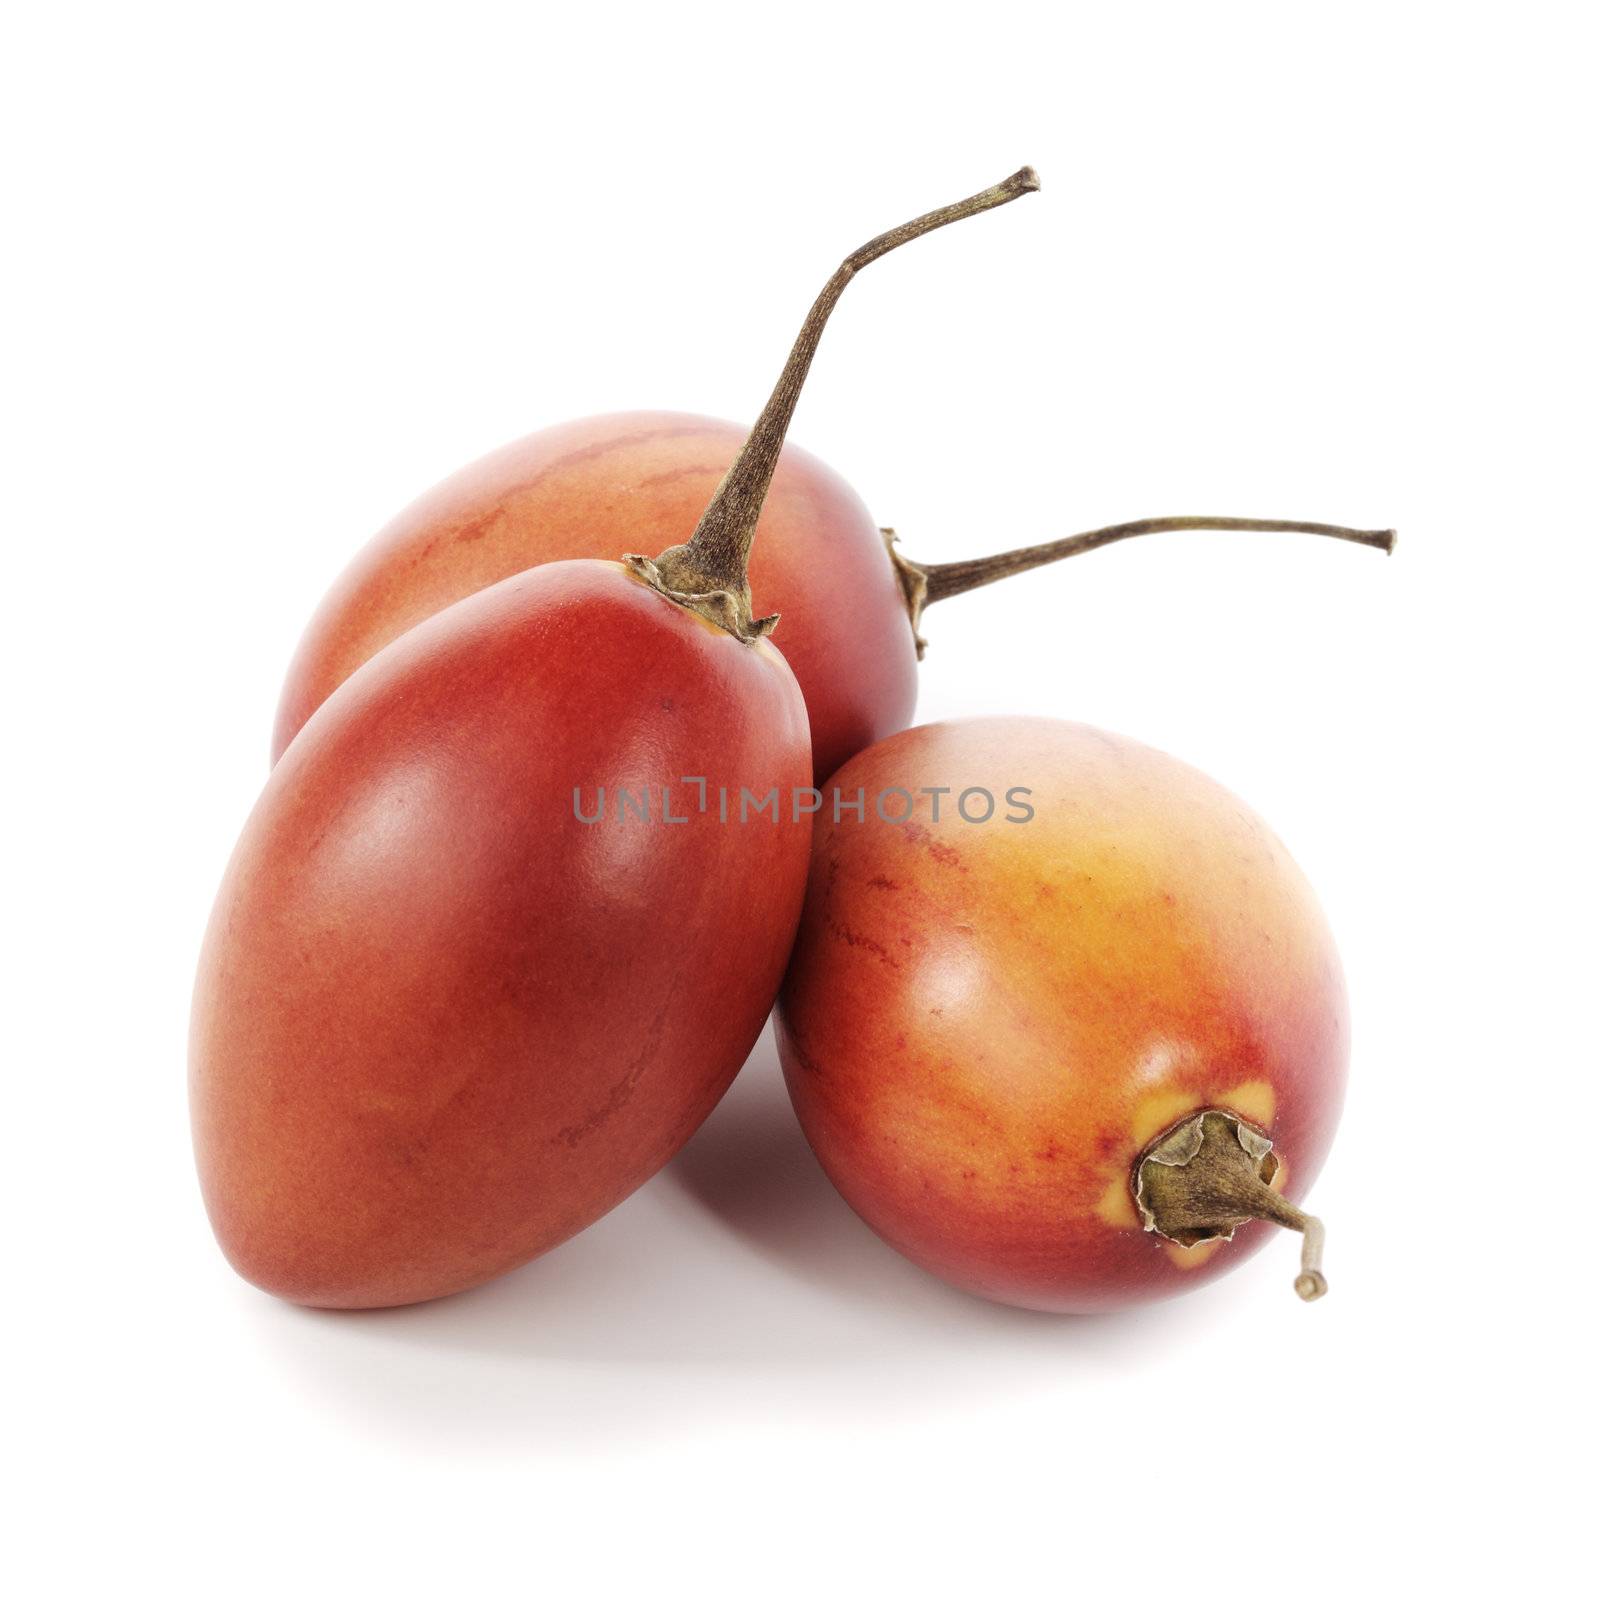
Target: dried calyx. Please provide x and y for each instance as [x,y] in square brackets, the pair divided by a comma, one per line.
[1211,1174]
[923,585]
[708,573]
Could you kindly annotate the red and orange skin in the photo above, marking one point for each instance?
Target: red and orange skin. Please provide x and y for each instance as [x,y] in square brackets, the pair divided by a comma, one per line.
[984,1025]
[636,482]
[440,1023]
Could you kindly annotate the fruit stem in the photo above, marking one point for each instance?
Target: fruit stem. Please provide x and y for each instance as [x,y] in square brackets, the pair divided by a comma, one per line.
[924,585]
[711,566]
[1212,1173]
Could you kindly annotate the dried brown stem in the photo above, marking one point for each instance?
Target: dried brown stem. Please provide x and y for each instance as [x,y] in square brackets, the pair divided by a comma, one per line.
[923,585]
[1211,1174]
[709,571]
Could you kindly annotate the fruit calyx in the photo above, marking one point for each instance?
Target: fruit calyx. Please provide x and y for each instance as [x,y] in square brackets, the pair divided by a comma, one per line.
[1213,1172]
[923,585]
[708,573]
[675,574]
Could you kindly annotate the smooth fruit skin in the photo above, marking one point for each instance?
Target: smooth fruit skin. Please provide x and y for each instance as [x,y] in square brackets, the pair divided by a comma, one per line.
[983,1025]
[440,1023]
[636,482]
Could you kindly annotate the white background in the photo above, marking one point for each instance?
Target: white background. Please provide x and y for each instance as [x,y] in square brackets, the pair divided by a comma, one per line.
[274,270]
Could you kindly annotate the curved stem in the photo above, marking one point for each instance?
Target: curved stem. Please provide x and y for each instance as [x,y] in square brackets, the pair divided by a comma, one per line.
[924,584]
[1267,1205]
[956,577]
[714,559]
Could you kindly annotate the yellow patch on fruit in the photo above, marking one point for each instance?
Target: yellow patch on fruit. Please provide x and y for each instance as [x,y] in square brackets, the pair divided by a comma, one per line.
[1115,1206]
[1255,1101]
[1186,1257]
[1155,1113]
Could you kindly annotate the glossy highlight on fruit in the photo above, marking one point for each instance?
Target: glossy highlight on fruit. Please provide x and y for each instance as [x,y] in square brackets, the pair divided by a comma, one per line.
[987,1027]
